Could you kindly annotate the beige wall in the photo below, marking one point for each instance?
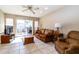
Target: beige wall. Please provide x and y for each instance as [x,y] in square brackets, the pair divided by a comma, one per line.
[68,16]
[1,22]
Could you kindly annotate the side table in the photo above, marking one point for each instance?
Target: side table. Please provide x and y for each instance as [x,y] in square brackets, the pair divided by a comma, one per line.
[5,39]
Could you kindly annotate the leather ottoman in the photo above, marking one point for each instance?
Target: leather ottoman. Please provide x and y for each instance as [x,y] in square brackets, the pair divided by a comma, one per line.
[28,40]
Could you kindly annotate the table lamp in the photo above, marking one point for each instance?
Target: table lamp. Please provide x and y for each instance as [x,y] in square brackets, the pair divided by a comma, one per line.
[57,26]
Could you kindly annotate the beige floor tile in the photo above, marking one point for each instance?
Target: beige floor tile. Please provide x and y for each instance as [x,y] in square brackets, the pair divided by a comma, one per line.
[36,52]
[48,50]
[14,52]
[4,51]
[24,51]
[38,47]
[31,47]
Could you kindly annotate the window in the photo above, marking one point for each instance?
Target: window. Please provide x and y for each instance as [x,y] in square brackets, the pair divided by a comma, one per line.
[9,26]
[36,25]
[9,21]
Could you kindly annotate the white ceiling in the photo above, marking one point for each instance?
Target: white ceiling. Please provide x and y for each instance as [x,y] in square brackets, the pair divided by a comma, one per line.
[17,9]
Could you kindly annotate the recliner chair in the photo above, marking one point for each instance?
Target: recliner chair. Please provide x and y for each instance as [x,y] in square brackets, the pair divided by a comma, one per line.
[69,45]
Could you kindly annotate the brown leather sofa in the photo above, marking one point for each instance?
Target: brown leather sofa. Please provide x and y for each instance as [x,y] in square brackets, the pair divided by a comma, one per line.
[70,45]
[44,35]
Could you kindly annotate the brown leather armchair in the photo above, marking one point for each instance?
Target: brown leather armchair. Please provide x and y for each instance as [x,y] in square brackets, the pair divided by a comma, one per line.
[69,45]
[44,35]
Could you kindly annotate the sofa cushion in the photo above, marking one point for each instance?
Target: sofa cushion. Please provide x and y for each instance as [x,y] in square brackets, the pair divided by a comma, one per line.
[38,31]
[49,32]
[74,35]
[72,41]
[46,31]
[42,36]
[42,31]
[61,45]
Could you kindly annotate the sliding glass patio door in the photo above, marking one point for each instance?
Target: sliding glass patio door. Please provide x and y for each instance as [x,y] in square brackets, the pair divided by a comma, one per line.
[24,27]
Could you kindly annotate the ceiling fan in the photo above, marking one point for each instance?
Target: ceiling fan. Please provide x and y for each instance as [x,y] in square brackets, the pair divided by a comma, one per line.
[30,8]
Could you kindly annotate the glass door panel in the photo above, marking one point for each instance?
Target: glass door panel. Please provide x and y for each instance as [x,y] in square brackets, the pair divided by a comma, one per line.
[24,27]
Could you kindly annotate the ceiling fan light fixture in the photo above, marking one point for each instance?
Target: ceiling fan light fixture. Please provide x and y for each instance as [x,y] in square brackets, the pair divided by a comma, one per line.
[41,11]
[46,8]
[31,8]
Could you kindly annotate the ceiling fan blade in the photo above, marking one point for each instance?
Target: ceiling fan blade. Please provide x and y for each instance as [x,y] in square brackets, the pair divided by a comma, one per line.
[24,10]
[24,6]
[32,11]
[36,9]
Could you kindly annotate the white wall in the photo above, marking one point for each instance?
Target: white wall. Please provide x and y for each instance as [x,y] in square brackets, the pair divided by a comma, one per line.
[68,16]
[1,22]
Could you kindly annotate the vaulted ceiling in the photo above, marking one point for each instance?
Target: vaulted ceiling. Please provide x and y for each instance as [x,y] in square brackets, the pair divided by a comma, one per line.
[18,10]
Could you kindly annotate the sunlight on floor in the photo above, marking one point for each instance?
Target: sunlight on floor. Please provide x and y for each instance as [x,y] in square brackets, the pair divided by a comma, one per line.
[18,39]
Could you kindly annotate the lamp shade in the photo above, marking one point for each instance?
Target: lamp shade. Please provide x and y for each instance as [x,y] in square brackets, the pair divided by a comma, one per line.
[58,25]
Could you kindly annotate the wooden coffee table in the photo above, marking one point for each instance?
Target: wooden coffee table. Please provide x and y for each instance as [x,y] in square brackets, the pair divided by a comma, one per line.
[28,39]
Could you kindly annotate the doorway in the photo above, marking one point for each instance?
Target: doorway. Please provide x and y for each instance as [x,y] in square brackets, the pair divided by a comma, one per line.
[23,27]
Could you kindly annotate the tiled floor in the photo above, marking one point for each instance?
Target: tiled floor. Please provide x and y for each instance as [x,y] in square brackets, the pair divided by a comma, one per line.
[17,47]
